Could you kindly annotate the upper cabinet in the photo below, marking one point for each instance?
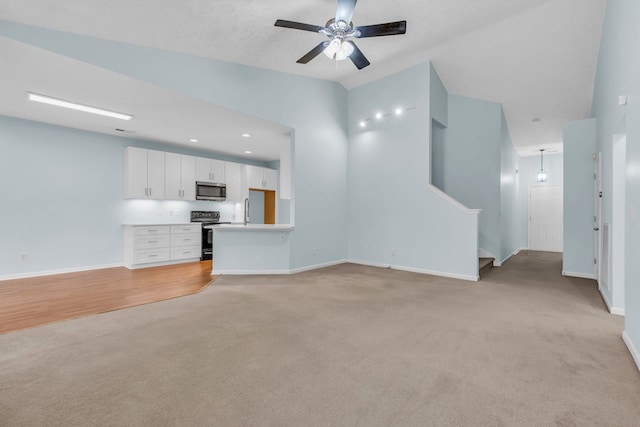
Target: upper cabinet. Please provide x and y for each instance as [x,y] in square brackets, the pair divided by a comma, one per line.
[180,177]
[233,178]
[209,170]
[262,178]
[144,173]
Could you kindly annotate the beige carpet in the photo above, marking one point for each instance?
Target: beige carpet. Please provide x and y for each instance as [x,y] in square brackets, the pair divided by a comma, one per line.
[343,346]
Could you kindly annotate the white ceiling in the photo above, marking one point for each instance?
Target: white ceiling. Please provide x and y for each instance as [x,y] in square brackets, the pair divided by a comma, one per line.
[536,57]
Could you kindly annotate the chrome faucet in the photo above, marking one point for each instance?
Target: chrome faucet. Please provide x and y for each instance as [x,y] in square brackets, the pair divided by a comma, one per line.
[246,211]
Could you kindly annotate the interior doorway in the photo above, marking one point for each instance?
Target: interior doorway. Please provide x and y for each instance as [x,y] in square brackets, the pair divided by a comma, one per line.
[545,218]
[262,206]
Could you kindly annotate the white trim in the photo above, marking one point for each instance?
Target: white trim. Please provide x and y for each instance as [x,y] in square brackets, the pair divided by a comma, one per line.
[290,271]
[248,272]
[612,310]
[483,253]
[499,264]
[417,270]
[632,348]
[579,275]
[317,266]
[369,263]
[617,311]
[61,271]
[437,273]
[453,202]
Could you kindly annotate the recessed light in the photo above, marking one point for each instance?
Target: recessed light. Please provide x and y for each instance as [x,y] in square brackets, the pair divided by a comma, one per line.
[363,124]
[193,140]
[79,107]
[378,116]
[247,152]
[398,111]
[246,135]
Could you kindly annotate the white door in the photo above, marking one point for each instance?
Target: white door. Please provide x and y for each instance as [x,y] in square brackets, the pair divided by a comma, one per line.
[597,207]
[545,218]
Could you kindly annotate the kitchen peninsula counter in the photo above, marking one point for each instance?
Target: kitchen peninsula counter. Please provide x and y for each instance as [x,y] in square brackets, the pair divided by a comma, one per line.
[251,227]
[251,248]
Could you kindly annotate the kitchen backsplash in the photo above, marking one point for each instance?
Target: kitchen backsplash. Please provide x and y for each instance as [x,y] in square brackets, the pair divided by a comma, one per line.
[172,211]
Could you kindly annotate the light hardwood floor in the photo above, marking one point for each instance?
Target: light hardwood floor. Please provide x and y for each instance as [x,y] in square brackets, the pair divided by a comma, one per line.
[25,303]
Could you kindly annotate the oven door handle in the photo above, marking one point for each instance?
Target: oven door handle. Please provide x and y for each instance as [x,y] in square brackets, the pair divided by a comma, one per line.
[210,236]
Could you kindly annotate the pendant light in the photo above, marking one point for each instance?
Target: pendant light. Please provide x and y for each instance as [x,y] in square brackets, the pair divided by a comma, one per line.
[542,175]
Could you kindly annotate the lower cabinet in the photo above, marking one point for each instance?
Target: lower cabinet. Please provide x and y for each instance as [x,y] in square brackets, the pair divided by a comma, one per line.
[151,245]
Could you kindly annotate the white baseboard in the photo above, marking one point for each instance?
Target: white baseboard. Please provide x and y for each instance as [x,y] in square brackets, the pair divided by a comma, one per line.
[368,263]
[579,275]
[632,348]
[290,271]
[612,310]
[617,311]
[417,270]
[247,272]
[437,273]
[499,263]
[61,271]
[317,266]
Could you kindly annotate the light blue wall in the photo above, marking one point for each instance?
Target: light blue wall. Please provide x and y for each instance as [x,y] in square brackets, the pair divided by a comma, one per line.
[618,73]
[391,206]
[509,219]
[528,168]
[579,148]
[316,109]
[472,163]
[62,197]
[256,207]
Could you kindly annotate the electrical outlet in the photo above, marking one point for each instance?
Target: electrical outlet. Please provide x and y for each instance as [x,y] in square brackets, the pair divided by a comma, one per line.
[24,256]
[283,237]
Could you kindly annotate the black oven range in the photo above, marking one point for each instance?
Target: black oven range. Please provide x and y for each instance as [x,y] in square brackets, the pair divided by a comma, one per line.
[207,218]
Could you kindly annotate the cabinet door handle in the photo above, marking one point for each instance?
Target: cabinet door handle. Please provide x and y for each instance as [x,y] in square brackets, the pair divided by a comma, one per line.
[149,191]
[146,191]
[152,255]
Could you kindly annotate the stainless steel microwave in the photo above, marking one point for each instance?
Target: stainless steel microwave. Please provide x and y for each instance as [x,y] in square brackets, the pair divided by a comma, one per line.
[211,191]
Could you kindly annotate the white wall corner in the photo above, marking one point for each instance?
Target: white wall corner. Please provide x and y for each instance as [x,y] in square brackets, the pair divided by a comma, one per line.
[632,348]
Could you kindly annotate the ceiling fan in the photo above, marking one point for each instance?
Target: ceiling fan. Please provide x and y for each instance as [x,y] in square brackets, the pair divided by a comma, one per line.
[339,29]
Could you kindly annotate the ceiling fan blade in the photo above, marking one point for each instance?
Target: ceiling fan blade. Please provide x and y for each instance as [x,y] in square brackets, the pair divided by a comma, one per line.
[388,29]
[298,26]
[313,53]
[357,57]
[345,10]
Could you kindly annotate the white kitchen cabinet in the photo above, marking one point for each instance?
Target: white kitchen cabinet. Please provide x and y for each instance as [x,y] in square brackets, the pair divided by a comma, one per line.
[209,170]
[152,245]
[262,178]
[233,179]
[144,173]
[180,177]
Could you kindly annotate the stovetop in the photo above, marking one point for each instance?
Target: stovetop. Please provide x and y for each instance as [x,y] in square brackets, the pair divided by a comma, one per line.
[205,217]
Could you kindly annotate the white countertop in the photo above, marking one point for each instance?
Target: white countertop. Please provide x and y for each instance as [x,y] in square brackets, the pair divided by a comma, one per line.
[251,227]
[148,224]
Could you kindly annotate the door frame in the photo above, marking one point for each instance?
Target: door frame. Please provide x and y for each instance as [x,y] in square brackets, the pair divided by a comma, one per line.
[597,214]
